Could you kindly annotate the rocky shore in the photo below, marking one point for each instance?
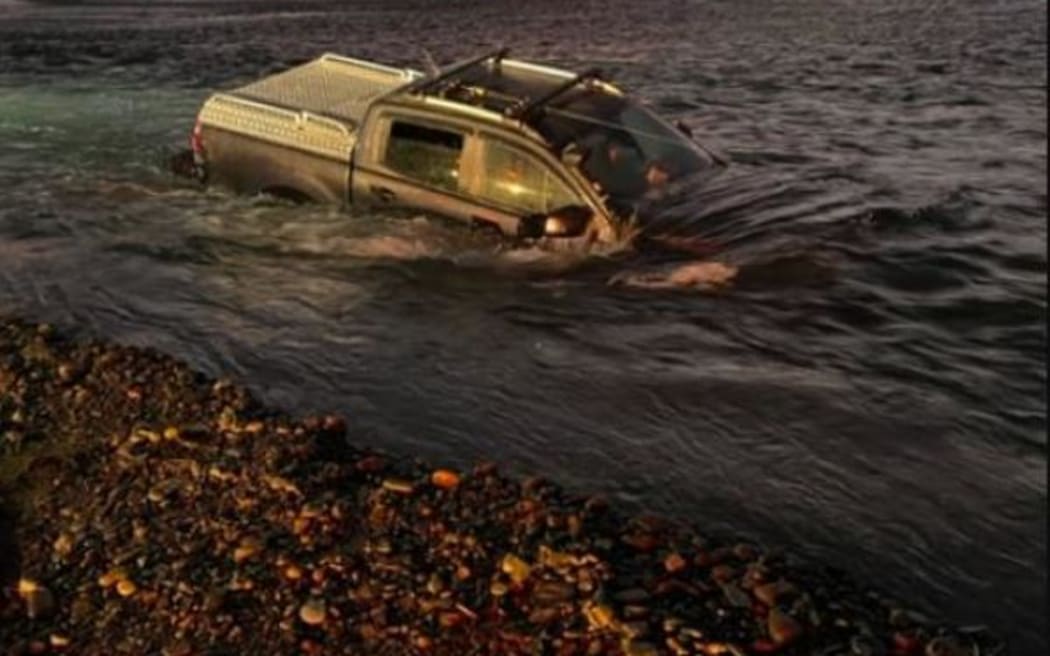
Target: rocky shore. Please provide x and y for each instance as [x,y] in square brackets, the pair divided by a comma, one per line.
[149,510]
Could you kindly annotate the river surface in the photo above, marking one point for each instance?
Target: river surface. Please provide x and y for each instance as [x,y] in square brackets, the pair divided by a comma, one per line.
[872,393]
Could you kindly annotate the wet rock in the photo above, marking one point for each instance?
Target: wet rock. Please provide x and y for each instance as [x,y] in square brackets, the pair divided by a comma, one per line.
[444,479]
[515,568]
[631,596]
[735,596]
[39,602]
[640,648]
[769,593]
[398,486]
[547,593]
[313,612]
[783,628]
[674,562]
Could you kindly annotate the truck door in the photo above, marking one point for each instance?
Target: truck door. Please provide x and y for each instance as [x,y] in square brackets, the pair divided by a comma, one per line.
[417,162]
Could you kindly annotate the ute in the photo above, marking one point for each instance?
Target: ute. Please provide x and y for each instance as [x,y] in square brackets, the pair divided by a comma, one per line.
[536,153]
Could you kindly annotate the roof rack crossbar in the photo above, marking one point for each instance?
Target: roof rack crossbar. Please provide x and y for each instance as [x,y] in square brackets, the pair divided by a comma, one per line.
[524,109]
[426,83]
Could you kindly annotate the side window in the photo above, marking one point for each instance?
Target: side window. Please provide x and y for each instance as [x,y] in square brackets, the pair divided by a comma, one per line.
[428,155]
[514,179]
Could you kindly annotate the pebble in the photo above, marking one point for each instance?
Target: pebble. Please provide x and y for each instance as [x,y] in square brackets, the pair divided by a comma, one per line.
[126,588]
[354,563]
[63,545]
[631,596]
[548,593]
[39,601]
[312,612]
[674,562]
[782,628]
[398,486]
[444,479]
[516,568]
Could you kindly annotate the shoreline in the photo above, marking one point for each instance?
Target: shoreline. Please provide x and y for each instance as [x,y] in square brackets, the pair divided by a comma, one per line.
[155,511]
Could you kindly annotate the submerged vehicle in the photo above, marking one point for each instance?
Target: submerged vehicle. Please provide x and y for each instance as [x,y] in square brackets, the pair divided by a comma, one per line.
[533,152]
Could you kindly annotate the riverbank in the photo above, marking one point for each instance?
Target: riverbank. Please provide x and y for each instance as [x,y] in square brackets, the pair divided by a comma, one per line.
[156,511]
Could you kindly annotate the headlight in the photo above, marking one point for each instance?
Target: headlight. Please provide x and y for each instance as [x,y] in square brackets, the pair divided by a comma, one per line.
[554,226]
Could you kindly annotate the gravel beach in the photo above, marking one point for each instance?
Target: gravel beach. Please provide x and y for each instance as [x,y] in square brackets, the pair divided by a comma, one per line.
[150,510]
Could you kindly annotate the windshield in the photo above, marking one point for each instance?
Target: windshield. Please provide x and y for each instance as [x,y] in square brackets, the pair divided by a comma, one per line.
[629,154]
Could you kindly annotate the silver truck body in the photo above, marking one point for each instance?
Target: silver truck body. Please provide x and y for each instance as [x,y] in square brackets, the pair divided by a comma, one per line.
[341,130]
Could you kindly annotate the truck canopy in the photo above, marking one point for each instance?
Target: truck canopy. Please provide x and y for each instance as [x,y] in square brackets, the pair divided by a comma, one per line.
[332,86]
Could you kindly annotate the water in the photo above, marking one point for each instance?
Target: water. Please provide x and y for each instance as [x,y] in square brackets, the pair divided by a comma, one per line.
[872,391]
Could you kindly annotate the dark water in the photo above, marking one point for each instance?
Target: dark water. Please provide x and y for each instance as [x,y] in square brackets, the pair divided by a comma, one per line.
[873,392]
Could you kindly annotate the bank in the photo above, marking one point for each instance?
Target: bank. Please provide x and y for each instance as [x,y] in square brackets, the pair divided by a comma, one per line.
[151,510]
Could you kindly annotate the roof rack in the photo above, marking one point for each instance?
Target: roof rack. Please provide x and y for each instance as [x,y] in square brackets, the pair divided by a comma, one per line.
[526,108]
[426,83]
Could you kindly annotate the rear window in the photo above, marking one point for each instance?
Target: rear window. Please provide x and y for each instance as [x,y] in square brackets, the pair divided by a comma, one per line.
[426,154]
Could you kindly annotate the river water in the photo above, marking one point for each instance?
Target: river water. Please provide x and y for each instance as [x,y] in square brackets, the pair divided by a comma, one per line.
[871,393]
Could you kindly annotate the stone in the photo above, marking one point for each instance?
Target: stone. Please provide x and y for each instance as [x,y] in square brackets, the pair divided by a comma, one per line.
[599,616]
[313,612]
[631,596]
[126,588]
[516,568]
[58,641]
[548,593]
[39,601]
[674,562]
[444,479]
[398,486]
[640,648]
[783,628]
[735,596]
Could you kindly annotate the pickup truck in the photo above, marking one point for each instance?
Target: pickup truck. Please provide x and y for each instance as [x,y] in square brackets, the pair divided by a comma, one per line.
[536,153]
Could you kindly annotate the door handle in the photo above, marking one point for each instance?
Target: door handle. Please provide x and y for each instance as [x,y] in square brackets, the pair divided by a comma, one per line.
[382,193]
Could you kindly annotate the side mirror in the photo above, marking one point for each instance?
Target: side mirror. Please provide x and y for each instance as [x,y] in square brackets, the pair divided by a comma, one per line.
[568,221]
[571,155]
[685,129]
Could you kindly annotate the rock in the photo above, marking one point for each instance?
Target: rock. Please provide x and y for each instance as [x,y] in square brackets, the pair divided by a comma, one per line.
[293,572]
[370,464]
[313,612]
[946,646]
[783,628]
[498,589]
[39,601]
[644,542]
[516,568]
[444,479]
[674,562]
[398,486]
[640,648]
[549,593]
[745,552]
[111,578]
[631,596]
[735,596]
[245,550]
[63,545]
[771,593]
[599,616]
[126,588]
[722,573]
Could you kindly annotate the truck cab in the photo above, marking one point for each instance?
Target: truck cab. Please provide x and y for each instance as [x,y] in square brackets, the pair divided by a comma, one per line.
[533,152]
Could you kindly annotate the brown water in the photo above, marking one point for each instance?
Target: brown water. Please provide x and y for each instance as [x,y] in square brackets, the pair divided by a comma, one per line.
[872,392]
